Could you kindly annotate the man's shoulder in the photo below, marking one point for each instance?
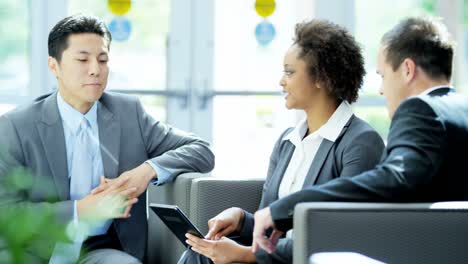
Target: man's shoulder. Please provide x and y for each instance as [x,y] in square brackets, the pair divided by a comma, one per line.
[113,99]
[438,104]
[421,104]
[359,126]
[359,129]
[117,97]
[30,110]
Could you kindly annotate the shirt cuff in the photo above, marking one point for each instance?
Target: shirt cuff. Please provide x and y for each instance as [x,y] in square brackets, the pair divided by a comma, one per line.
[75,213]
[161,173]
[76,231]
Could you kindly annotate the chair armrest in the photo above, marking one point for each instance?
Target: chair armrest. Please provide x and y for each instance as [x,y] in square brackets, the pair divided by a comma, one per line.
[394,233]
[163,246]
[210,196]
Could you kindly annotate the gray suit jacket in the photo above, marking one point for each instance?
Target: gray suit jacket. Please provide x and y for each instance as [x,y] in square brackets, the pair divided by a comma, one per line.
[358,148]
[33,138]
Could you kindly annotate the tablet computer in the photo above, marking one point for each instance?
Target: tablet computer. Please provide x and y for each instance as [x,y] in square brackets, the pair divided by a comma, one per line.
[176,221]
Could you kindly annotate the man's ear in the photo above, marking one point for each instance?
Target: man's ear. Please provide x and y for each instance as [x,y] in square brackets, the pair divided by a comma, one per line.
[408,70]
[53,65]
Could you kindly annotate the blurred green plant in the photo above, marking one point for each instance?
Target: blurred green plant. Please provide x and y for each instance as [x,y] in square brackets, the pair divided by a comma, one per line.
[26,232]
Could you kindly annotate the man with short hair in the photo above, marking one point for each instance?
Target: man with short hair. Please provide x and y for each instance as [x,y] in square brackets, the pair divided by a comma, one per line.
[81,138]
[425,157]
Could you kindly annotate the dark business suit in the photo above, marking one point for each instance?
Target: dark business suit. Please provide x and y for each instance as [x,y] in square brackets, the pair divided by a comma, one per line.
[424,161]
[33,137]
[357,148]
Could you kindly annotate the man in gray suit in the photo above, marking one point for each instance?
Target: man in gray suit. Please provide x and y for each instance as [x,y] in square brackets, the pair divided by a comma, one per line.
[425,157]
[81,137]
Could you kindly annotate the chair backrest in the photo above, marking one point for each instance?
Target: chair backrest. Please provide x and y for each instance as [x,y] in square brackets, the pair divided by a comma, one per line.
[210,196]
[392,233]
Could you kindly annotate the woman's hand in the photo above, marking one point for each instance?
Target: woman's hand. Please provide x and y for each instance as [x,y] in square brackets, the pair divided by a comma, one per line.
[220,251]
[225,223]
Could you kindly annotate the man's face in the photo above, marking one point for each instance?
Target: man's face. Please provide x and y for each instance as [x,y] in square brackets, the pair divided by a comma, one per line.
[82,72]
[393,88]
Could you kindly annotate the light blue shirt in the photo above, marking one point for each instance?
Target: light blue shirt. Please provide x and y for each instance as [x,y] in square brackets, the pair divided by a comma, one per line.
[71,120]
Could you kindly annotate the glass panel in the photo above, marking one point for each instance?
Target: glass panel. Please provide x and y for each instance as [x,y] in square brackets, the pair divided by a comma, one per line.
[372,23]
[463,78]
[376,116]
[240,63]
[155,106]
[245,131]
[14,51]
[139,62]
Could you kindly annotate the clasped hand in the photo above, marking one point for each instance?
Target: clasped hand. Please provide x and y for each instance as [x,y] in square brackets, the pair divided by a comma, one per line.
[114,198]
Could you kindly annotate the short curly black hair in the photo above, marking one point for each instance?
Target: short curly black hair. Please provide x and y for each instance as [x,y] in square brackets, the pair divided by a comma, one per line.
[333,58]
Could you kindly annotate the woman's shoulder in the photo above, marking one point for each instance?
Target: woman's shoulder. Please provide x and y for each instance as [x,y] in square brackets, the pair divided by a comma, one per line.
[359,130]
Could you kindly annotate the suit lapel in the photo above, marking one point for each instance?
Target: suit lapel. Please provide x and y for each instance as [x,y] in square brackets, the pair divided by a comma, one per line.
[285,157]
[318,161]
[321,156]
[109,138]
[50,130]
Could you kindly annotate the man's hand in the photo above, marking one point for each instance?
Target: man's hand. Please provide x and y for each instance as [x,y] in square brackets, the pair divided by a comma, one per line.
[138,177]
[220,251]
[263,222]
[225,223]
[114,202]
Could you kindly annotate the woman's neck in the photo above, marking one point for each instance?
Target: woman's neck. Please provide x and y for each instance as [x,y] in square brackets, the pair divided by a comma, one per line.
[319,114]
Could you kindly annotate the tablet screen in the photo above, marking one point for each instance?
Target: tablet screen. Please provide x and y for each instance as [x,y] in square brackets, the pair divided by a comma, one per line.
[176,221]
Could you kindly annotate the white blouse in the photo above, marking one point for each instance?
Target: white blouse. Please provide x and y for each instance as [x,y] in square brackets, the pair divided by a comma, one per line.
[306,148]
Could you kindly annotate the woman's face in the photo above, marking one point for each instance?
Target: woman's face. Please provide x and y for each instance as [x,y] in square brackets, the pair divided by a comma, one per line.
[298,87]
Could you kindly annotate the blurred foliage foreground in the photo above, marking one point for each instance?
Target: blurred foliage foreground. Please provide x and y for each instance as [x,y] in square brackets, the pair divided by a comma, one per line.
[26,232]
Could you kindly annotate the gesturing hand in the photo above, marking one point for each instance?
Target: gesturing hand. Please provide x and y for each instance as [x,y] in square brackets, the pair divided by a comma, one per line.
[225,223]
[263,222]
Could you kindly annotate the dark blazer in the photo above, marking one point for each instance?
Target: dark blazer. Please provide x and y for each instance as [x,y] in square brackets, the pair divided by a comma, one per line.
[33,138]
[357,149]
[424,161]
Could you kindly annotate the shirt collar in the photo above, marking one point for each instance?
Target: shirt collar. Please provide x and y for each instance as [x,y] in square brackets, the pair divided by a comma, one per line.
[330,130]
[428,91]
[72,118]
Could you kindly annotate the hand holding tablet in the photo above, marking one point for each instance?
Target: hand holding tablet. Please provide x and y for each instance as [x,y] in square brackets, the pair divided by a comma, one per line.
[176,221]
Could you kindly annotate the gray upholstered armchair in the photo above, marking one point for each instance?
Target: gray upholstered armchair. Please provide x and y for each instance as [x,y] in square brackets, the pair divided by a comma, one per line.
[391,233]
[201,198]
[163,246]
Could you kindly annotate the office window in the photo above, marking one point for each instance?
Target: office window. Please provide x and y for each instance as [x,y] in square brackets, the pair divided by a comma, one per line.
[245,128]
[372,20]
[138,63]
[14,50]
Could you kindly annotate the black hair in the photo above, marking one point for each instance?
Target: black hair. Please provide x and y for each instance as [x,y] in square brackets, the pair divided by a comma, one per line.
[75,24]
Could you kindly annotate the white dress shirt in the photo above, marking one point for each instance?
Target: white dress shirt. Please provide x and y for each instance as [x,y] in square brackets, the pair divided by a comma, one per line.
[306,148]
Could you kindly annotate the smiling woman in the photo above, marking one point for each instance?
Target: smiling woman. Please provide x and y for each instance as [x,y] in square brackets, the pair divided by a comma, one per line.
[323,71]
